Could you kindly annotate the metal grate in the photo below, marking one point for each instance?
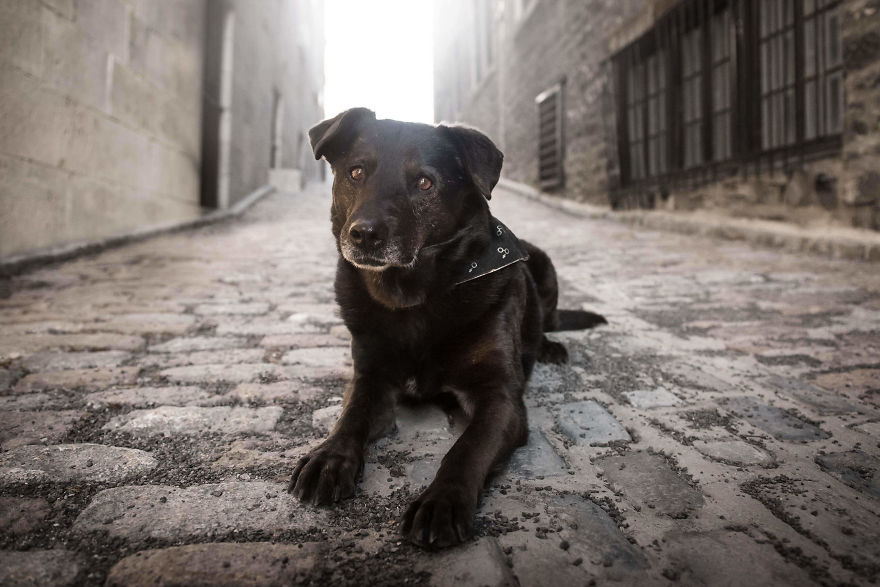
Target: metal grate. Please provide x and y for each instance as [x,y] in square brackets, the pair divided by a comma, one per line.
[550,143]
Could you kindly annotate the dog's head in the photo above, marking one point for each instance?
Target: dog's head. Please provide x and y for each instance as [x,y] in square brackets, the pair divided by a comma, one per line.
[400,187]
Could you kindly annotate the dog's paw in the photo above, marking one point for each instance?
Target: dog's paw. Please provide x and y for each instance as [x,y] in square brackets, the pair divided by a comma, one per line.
[325,475]
[440,517]
[552,352]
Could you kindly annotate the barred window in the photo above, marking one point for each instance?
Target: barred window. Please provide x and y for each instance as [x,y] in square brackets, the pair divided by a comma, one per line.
[550,141]
[823,69]
[692,97]
[718,83]
[636,121]
[657,116]
[722,85]
[777,73]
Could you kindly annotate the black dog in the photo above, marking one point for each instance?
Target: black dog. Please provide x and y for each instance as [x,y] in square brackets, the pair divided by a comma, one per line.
[439,297]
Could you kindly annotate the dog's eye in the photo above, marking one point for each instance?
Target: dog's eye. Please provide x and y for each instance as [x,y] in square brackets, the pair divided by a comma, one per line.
[356,173]
[424,183]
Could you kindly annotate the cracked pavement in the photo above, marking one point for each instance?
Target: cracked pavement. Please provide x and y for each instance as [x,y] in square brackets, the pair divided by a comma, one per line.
[722,429]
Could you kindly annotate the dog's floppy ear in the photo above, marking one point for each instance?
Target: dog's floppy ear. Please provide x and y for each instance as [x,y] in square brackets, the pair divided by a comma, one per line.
[481,157]
[325,134]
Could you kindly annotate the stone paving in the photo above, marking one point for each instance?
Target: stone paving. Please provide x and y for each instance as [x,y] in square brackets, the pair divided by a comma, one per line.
[722,429]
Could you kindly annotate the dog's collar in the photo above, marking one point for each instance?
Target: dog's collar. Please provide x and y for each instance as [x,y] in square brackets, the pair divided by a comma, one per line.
[504,249]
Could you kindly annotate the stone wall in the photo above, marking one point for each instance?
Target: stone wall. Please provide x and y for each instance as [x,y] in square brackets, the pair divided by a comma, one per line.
[102,101]
[860,194]
[278,52]
[100,106]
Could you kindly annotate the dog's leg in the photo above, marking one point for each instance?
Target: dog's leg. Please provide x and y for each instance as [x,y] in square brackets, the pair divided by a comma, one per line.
[328,473]
[443,515]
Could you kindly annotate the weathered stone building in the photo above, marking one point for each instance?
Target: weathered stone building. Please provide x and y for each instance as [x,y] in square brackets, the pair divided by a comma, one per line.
[121,115]
[755,108]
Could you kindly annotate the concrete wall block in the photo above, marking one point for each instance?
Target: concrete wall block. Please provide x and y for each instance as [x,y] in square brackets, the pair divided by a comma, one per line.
[168,63]
[172,18]
[133,100]
[180,126]
[107,24]
[180,175]
[33,205]
[21,29]
[34,121]
[105,149]
[63,8]
[74,65]
[138,103]
[100,209]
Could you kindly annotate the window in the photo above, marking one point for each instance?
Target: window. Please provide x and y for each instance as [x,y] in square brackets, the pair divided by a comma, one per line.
[717,83]
[722,85]
[692,96]
[550,156]
[657,116]
[777,74]
[636,121]
[823,70]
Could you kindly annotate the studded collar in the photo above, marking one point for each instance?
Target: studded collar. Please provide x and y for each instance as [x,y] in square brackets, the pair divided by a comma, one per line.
[504,249]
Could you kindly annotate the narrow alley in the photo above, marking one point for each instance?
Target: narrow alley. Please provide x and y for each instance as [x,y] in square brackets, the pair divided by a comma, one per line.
[721,429]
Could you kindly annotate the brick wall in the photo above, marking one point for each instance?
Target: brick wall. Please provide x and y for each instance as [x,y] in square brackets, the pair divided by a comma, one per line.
[550,41]
[574,40]
[860,194]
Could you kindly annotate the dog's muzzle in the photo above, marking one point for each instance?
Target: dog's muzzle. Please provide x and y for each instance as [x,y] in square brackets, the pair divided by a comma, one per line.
[367,245]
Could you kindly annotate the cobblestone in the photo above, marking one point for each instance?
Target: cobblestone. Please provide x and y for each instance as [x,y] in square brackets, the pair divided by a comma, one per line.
[145,397]
[657,398]
[62,463]
[855,468]
[20,515]
[284,391]
[734,451]
[324,419]
[85,378]
[140,512]
[222,564]
[216,357]
[167,420]
[721,429]
[648,481]
[589,423]
[776,421]
[231,373]
[536,459]
[61,361]
[20,428]
[16,346]
[40,568]
[198,343]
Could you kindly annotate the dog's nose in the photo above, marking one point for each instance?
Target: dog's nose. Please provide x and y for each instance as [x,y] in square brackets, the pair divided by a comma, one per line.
[367,234]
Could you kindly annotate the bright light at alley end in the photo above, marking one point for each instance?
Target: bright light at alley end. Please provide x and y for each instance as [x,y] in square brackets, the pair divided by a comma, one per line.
[379,54]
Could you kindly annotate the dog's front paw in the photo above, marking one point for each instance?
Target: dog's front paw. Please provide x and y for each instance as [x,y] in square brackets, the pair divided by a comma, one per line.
[440,517]
[326,475]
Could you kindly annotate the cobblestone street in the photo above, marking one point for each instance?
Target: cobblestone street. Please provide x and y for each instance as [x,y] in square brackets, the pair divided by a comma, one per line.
[722,429]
